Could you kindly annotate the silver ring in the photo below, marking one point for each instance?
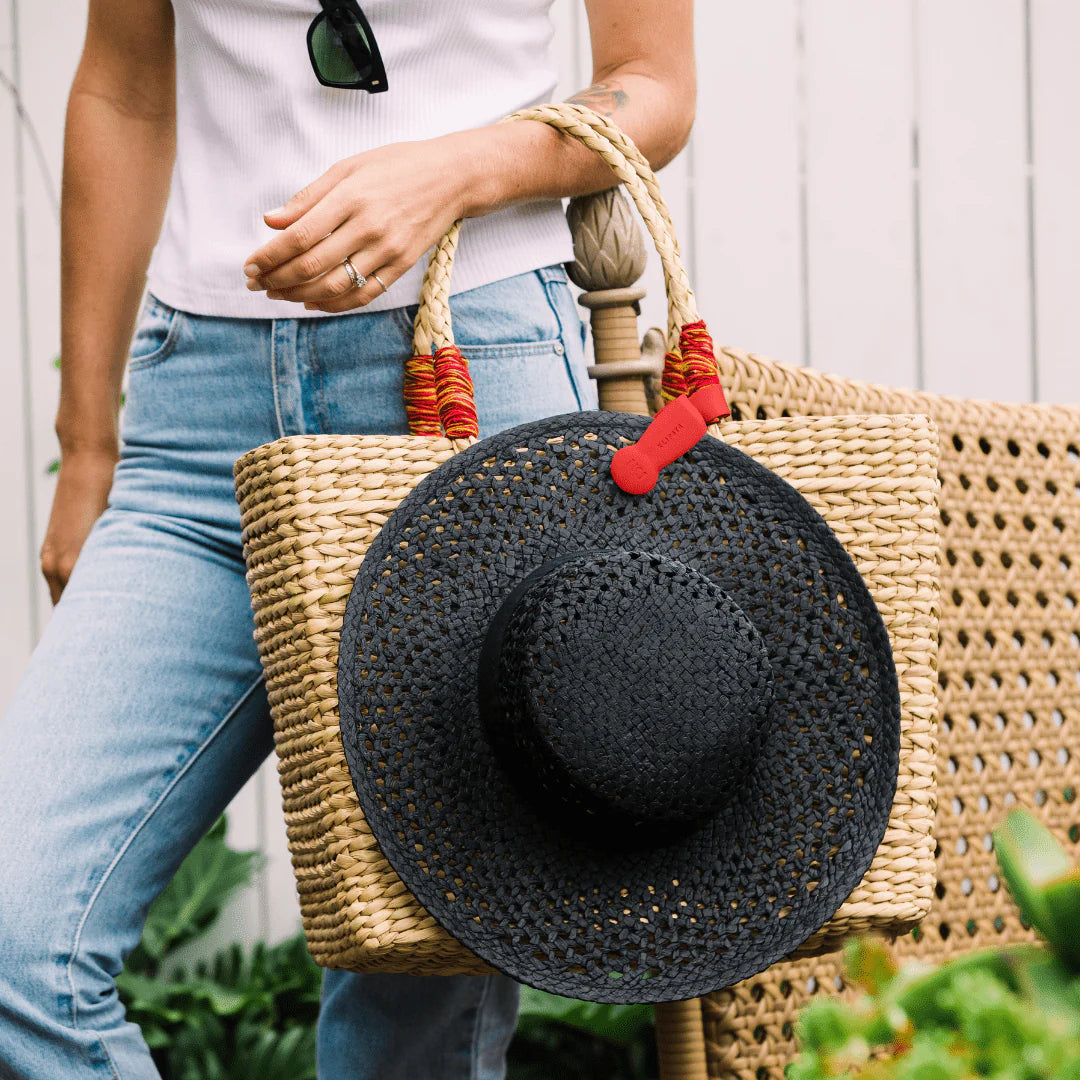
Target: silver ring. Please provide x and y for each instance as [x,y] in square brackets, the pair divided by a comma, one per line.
[358,279]
[380,281]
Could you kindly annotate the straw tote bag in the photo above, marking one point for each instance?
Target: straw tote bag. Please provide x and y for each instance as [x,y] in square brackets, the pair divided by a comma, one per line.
[311,506]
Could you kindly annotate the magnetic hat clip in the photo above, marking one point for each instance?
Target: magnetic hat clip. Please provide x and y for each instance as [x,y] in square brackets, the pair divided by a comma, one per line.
[675,429]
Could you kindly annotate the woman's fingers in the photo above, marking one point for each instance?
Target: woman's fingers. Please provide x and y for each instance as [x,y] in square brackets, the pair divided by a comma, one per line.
[383,222]
[305,220]
[307,248]
[333,283]
[311,193]
[354,297]
[82,493]
[313,265]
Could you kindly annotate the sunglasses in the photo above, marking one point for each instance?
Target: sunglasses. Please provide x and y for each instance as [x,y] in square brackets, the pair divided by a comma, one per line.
[343,50]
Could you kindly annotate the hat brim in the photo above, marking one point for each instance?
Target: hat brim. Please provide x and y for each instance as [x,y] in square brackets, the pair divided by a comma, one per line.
[568,913]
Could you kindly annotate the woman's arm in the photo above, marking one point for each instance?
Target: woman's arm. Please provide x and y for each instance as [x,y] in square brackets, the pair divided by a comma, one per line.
[119,144]
[643,78]
[390,205]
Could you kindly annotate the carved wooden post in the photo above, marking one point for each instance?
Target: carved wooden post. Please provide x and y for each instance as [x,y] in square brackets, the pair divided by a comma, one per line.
[680,1040]
[609,255]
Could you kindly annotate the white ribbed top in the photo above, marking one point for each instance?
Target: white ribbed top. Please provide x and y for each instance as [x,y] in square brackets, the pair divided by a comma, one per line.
[254,126]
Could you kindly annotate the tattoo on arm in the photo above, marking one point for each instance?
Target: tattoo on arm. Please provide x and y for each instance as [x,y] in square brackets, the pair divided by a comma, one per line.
[603,98]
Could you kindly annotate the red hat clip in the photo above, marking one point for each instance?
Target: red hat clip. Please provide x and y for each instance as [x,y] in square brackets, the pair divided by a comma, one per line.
[675,429]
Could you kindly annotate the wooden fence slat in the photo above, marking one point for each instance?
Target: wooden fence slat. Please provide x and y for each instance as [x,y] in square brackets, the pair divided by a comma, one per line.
[17,553]
[859,189]
[749,278]
[279,885]
[976,283]
[45,88]
[1055,40]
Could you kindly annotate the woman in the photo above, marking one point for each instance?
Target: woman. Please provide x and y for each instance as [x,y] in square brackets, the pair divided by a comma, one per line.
[142,711]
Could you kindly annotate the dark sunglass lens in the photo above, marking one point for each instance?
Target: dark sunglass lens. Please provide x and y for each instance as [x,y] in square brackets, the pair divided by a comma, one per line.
[333,59]
[351,31]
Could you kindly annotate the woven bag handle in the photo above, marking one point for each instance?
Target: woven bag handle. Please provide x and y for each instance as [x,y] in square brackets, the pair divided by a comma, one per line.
[438,390]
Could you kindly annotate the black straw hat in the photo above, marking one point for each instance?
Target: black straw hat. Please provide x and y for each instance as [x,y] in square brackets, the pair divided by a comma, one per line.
[624,748]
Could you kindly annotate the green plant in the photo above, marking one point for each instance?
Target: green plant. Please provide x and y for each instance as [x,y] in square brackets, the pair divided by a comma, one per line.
[562,1037]
[1009,1014]
[54,465]
[241,1014]
[252,1013]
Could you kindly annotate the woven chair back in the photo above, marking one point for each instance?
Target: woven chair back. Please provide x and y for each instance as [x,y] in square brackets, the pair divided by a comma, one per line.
[1009,674]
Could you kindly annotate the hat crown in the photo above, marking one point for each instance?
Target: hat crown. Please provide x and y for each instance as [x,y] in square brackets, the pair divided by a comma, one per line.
[624,689]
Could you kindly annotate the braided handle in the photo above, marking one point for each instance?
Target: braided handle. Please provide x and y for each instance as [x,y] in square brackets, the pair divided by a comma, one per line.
[439,389]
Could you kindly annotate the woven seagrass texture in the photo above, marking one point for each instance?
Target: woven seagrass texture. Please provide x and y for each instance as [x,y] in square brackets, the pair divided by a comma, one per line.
[1009,673]
[311,506]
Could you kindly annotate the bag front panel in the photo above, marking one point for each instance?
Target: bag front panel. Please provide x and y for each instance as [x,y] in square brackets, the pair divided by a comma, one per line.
[311,506]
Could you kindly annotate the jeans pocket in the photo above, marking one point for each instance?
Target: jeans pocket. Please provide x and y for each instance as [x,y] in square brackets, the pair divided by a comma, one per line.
[156,333]
[572,335]
[515,386]
[505,314]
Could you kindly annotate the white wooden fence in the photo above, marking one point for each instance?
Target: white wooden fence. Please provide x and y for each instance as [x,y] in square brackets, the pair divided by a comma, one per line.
[888,189]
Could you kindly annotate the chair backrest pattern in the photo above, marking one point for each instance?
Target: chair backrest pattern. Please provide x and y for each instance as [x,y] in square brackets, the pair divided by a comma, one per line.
[1008,669]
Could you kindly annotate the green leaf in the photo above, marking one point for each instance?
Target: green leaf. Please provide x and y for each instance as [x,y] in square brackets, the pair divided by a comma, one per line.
[869,963]
[935,1055]
[1061,898]
[827,1025]
[1048,987]
[1010,1013]
[920,993]
[224,1000]
[156,1037]
[274,1055]
[619,1023]
[1042,879]
[199,1050]
[145,993]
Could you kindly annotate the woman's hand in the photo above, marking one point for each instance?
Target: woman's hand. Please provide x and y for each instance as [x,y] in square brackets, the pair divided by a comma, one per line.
[384,208]
[82,491]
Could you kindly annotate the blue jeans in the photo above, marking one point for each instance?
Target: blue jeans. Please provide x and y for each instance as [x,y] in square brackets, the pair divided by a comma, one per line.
[142,711]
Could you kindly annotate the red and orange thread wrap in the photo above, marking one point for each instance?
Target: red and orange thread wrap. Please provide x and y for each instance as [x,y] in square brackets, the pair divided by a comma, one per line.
[421,403]
[454,391]
[672,382]
[692,366]
[695,399]
[439,390]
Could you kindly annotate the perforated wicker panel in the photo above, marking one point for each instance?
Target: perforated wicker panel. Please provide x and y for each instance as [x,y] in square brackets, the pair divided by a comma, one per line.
[1009,669]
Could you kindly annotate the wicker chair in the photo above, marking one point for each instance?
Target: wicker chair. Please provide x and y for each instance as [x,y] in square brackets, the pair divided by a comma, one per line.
[1009,654]
[1008,669]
